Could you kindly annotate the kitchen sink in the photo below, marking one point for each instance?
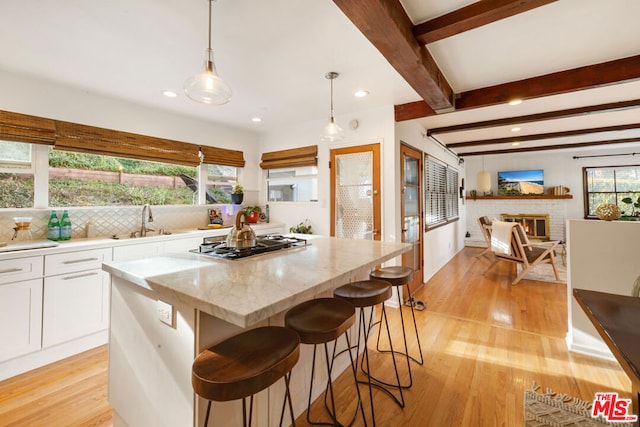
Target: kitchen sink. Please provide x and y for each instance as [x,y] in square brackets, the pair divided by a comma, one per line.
[136,234]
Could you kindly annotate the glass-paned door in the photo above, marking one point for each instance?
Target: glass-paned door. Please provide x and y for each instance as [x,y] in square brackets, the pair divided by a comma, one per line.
[411,211]
[355,198]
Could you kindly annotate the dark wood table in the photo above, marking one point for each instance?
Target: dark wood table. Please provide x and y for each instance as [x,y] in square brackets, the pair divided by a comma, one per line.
[617,320]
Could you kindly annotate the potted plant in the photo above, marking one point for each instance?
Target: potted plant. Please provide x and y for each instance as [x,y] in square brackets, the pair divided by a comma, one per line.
[252,213]
[302,228]
[237,194]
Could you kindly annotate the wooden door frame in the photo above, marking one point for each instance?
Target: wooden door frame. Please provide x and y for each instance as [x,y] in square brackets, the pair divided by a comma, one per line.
[407,150]
[375,148]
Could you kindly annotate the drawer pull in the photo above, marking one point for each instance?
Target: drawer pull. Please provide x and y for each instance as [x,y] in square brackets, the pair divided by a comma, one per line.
[78,276]
[10,270]
[76,261]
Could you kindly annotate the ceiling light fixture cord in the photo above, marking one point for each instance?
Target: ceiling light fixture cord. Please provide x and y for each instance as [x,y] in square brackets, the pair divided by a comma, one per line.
[208,87]
[332,132]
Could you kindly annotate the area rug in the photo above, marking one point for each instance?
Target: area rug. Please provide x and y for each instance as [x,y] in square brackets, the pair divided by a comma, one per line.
[560,410]
[544,272]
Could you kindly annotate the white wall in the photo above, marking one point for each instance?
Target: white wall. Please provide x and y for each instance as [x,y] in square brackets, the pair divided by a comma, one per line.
[560,169]
[375,126]
[603,256]
[442,243]
[45,99]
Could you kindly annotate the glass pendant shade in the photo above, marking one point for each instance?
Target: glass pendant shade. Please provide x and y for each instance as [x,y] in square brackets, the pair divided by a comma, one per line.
[332,132]
[207,87]
[483,182]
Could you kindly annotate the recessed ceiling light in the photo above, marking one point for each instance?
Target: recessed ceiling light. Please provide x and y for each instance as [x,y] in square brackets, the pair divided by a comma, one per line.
[361,93]
[515,102]
[169,93]
[256,119]
[515,129]
[515,144]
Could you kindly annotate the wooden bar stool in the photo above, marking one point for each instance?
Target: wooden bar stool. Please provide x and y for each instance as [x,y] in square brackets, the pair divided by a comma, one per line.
[245,364]
[400,276]
[370,293]
[320,321]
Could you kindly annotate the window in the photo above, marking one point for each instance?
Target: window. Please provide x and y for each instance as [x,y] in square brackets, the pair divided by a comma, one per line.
[441,193]
[292,175]
[611,184]
[294,184]
[16,175]
[219,183]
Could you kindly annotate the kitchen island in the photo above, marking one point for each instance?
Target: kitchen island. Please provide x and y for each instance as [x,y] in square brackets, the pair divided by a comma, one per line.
[166,309]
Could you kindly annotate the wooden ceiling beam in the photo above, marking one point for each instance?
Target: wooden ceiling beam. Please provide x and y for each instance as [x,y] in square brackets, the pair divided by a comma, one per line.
[473,16]
[550,147]
[549,135]
[388,27]
[533,118]
[588,77]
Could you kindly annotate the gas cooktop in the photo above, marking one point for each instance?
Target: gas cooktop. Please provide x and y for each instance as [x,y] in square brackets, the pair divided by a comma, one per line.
[217,247]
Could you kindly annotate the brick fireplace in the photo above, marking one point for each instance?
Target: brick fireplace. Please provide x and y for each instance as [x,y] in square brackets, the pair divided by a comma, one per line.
[495,207]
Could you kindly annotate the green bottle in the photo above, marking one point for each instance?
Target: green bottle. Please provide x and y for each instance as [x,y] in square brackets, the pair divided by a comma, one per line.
[65,226]
[53,227]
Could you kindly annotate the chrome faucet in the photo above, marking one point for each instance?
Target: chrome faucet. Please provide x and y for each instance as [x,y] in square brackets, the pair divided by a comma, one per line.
[143,228]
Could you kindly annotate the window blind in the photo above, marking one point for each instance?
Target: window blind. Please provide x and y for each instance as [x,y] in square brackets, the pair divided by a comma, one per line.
[294,157]
[94,140]
[18,127]
[222,156]
[441,193]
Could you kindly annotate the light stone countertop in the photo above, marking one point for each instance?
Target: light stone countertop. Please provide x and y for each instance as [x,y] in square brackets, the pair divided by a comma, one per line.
[252,289]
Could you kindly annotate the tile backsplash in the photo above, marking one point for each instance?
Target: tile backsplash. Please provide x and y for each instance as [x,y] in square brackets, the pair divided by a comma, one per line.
[116,220]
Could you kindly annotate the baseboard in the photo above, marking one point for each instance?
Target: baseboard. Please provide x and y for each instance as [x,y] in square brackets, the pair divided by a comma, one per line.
[27,362]
[582,343]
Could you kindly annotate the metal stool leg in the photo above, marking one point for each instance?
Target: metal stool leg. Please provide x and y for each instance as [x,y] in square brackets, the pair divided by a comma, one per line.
[415,326]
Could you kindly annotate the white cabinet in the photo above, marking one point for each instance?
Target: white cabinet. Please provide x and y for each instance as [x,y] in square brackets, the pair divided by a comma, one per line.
[20,306]
[20,317]
[76,295]
[137,251]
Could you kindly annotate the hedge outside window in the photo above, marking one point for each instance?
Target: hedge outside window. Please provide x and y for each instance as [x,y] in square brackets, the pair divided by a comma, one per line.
[611,184]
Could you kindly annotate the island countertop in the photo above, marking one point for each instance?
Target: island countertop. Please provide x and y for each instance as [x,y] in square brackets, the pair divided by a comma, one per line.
[249,290]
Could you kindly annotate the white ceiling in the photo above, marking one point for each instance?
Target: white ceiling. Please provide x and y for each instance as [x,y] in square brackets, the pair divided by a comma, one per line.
[274,55]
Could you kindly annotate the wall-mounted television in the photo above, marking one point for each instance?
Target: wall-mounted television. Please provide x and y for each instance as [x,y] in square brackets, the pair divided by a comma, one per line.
[523,182]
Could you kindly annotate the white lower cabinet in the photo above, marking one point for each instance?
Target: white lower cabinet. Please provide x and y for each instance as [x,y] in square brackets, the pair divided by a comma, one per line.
[20,317]
[76,302]
[75,305]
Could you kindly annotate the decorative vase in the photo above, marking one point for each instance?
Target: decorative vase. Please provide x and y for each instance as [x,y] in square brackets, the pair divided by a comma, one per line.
[236,198]
[608,212]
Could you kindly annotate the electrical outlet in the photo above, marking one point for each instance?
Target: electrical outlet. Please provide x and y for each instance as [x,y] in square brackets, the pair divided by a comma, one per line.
[165,312]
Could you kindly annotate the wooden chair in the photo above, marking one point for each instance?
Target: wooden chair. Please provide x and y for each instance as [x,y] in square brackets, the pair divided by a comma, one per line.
[521,251]
[485,228]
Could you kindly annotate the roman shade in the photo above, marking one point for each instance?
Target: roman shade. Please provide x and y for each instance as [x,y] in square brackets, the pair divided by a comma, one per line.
[294,157]
[222,156]
[95,140]
[24,128]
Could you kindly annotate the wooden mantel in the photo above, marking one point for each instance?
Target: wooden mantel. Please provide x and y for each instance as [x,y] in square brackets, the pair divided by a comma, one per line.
[545,196]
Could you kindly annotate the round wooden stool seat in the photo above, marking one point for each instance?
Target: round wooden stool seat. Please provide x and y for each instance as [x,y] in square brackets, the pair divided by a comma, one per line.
[245,364]
[365,293]
[320,320]
[396,275]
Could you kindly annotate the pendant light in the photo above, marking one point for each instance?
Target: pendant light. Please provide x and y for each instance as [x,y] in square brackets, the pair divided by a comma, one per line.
[207,87]
[483,180]
[332,132]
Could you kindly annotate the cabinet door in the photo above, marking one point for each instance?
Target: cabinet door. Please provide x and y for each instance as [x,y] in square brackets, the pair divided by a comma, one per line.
[20,318]
[75,305]
[137,251]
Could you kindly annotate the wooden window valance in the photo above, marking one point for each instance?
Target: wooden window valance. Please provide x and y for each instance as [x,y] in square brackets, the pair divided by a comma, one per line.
[222,156]
[24,128]
[294,157]
[94,140]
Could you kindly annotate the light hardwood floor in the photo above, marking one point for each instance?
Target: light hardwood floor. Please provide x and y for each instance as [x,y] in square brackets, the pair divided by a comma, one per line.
[484,341]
